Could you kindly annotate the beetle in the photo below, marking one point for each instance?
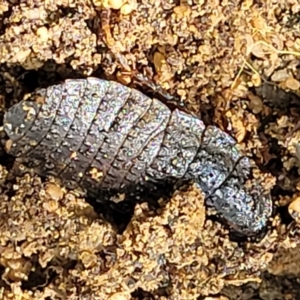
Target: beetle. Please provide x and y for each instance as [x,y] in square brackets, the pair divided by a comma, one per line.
[105,137]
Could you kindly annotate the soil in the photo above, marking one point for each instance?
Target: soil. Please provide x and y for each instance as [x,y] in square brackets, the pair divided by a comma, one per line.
[234,64]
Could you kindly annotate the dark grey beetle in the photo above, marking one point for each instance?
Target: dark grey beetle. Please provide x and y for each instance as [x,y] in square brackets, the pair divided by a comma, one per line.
[101,135]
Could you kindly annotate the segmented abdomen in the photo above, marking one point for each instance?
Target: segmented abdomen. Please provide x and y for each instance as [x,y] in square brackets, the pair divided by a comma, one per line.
[102,135]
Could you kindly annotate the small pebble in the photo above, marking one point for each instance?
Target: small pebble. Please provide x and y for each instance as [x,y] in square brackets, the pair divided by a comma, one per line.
[294,209]
[54,192]
[292,84]
[114,4]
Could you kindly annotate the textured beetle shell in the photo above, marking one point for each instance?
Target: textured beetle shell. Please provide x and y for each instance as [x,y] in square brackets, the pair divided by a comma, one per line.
[101,135]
